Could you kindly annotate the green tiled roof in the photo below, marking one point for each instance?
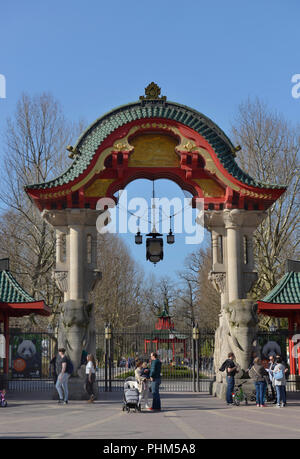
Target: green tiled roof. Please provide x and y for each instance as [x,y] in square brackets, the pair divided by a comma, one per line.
[287,291]
[98,131]
[11,291]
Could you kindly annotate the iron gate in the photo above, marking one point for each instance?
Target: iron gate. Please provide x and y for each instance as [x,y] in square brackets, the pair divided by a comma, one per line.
[187,363]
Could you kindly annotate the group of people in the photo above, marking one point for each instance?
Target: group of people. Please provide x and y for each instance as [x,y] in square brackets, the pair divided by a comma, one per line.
[147,378]
[64,369]
[273,376]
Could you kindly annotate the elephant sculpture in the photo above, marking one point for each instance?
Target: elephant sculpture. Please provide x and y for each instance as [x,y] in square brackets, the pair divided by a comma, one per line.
[237,334]
[76,330]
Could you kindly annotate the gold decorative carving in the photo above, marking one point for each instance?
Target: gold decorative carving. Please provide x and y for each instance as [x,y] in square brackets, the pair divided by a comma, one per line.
[210,188]
[154,150]
[98,188]
[122,146]
[189,146]
[152,92]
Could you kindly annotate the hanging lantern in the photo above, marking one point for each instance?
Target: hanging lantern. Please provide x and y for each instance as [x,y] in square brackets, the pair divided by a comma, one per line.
[170,238]
[154,246]
[138,238]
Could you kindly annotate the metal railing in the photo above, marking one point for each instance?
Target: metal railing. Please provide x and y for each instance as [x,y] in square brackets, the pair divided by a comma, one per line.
[187,364]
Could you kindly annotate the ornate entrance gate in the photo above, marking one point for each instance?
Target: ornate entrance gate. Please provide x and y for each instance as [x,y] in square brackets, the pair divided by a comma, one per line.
[154,138]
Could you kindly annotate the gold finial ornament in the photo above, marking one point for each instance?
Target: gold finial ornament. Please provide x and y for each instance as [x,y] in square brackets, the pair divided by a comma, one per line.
[152,92]
[236,149]
[73,151]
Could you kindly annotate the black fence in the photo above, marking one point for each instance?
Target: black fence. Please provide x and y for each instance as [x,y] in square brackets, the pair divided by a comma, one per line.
[187,363]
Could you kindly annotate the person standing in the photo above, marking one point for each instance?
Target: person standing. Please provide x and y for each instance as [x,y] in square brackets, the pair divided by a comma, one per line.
[90,372]
[286,372]
[231,370]
[63,368]
[142,381]
[259,374]
[155,379]
[270,370]
[280,382]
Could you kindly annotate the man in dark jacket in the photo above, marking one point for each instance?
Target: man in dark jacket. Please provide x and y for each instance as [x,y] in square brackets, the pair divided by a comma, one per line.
[155,380]
[231,370]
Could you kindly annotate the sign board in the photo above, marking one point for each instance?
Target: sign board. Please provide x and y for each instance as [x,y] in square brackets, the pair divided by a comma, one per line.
[2,347]
[26,355]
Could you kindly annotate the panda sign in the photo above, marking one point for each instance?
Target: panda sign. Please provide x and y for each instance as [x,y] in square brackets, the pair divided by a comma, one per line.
[26,356]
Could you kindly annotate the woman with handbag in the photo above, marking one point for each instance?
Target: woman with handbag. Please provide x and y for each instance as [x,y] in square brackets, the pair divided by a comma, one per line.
[90,373]
[280,382]
[259,374]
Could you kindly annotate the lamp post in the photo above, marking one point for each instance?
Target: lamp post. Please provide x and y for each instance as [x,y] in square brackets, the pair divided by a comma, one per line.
[108,338]
[196,335]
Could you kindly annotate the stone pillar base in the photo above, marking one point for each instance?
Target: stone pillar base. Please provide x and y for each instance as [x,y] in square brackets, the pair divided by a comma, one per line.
[293,383]
[219,388]
[77,390]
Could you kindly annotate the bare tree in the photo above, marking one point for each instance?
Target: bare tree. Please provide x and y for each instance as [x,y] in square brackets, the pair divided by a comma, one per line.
[35,141]
[270,154]
[198,302]
[118,297]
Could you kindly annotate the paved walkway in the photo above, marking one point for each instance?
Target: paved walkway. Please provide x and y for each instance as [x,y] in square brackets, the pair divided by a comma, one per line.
[184,416]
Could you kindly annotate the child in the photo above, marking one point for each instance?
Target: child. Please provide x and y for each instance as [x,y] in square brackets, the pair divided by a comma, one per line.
[145,370]
[3,402]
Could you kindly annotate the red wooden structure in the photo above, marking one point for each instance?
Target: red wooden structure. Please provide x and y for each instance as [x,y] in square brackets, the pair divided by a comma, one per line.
[284,301]
[166,334]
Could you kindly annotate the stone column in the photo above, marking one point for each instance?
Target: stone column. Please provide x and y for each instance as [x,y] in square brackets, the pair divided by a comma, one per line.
[214,243]
[76,284]
[233,220]
[76,275]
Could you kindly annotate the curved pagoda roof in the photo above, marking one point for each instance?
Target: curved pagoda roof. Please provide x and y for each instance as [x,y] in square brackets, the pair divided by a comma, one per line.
[87,144]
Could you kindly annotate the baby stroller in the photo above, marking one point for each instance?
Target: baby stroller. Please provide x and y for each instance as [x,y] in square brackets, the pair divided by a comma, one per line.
[132,397]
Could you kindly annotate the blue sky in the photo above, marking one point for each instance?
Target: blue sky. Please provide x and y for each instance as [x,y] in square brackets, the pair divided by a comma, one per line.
[95,55]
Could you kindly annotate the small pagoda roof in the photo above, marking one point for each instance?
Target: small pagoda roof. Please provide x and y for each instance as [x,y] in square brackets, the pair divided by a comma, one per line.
[285,296]
[287,291]
[15,301]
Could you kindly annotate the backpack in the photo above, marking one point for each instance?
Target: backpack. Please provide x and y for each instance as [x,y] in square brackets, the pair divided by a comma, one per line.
[70,367]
